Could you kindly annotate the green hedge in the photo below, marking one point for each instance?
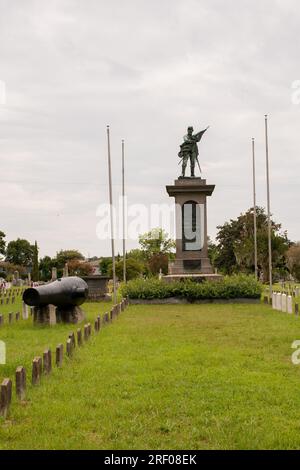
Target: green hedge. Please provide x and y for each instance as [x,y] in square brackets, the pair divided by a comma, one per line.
[231,287]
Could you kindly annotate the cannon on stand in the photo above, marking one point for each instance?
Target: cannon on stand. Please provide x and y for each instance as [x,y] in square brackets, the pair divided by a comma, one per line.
[58,301]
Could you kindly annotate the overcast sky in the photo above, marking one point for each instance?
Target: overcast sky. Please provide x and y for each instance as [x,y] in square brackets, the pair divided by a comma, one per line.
[149,69]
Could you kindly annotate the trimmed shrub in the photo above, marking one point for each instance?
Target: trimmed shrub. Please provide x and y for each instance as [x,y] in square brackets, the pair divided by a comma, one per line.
[238,286]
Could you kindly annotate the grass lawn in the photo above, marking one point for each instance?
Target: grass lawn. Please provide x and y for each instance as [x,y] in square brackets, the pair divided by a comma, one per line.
[163,377]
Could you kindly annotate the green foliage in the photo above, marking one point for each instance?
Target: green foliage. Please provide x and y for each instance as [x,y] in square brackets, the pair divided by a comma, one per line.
[134,269]
[19,252]
[156,241]
[63,256]
[35,267]
[236,244]
[45,267]
[293,260]
[2,243]
[157,262]
[104,265]
[231,287]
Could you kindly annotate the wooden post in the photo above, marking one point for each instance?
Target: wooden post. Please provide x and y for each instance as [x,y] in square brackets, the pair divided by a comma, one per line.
[47,361]
[79,337]
[69,347]
[36,370]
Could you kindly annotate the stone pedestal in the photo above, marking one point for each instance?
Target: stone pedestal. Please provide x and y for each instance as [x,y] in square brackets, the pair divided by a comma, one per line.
[192,259]
[50,315]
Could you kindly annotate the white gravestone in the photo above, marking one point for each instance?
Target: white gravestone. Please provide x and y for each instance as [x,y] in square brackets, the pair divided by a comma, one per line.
[290,305]
[278,301]
[283,303]
[24,311]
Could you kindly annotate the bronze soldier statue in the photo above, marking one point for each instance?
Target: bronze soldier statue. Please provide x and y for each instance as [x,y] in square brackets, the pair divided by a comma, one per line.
[189,150]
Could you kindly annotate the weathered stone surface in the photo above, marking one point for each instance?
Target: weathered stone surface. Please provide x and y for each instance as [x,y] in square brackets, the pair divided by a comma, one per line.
[69,347]
[79,337]
[72,338]
[36,370]
[59,354]
[25,311]
[5,397]
[21,383]
[47,361]
[1,320]
[69,315]
[10,317]
[17,316]
[86,332]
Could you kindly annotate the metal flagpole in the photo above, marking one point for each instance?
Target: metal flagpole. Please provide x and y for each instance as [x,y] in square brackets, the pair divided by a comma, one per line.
[111,219]
[123,202]
[254,209]
[269,209]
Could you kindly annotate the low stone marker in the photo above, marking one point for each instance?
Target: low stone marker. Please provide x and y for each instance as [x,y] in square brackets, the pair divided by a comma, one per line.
[99,322]
[5,397]
[111,315]
[86,332]
[1,320]
[297,309]
[284,303]
[17,316]
[96,326]
[59,354]
[69,347]
[290,305]
[72,338]
[278,301]
[36,370]
[47,361]
[89,329]
[21,383]
[10,317]
[25,311]
[79,337]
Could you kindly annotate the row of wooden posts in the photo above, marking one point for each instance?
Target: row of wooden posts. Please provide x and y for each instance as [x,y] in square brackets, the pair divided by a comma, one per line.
[11,293]
[26,311]
[43,365]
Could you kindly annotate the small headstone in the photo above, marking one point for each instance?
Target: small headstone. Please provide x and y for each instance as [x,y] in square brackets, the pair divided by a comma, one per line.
[69,347]
[52,314]
[36,370]
[21,382]
[79,337]
[59,353]
[54,274]
[86,332]
[47,361]
[24,311]
[72,338]
[278,301]
[99,322]
[297,309]
[111,315]
[17,316]
[96,326]
[10,317]
[5,397]
[290,305]
[284,303]
[1,320]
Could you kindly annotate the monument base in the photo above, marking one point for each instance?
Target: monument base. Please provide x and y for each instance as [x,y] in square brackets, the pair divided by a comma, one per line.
[196,277]
[50,315]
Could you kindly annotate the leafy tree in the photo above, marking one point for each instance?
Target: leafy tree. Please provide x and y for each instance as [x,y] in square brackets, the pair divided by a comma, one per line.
[79,268]
[19,252]
[45,267]
[155,242]
[64,256]
[104,265]
[157,262]
[236,244]
[134,269]
[7,270]
[293,260]
[2,243]
[35,268]
[137,254]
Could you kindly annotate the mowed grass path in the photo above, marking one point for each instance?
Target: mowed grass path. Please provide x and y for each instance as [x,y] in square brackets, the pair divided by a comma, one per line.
[170,377]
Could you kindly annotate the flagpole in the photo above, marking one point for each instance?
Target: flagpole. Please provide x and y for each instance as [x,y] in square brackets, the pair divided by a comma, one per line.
[123,202]
[111,219]
[269,209]
[254,209]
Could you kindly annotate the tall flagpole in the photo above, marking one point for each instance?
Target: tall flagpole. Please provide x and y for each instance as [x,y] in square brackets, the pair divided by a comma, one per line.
[269,209]
[254,209]
[111,219]
[123,208]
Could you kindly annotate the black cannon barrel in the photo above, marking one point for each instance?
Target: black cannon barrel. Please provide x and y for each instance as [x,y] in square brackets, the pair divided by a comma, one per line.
[66,291]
